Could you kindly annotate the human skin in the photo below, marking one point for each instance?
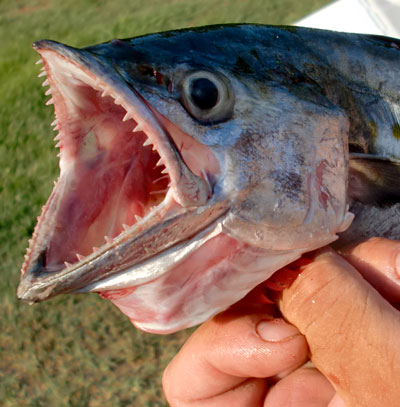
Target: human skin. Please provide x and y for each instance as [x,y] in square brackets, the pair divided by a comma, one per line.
[250,356]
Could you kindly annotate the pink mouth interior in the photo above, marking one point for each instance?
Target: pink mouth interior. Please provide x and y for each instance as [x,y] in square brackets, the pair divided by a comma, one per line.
[108,178]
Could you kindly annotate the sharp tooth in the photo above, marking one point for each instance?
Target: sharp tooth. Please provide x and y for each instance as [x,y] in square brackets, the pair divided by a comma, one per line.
[58,145]
[108,239]
[164,171]
[39,61]
[147,143]
[138,128]
[117,101]
[43,73]
[126,227]
[95,249]
[159,162]
[126,117]
[80,257]
[67,265]
[161,191]
[206,179]
[58,137]
[138,218]
[50,102]
[160,178]
[48,92]
[54,123]
[45,82]
[104,93]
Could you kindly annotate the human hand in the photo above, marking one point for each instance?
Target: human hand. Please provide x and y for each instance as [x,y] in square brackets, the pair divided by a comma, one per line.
[352,331]
[225,363]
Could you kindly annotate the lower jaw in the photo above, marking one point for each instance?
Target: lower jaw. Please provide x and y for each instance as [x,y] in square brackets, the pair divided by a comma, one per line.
[213,277]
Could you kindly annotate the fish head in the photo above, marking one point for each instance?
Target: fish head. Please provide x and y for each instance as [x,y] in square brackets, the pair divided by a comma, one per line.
[189,173]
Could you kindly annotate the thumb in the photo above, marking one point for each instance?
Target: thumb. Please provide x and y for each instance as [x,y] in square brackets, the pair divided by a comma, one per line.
[352,331]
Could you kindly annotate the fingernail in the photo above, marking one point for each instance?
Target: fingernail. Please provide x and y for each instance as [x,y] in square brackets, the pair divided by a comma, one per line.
[275,330]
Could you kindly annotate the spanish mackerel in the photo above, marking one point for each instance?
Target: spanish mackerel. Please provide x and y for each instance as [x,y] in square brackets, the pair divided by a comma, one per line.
[195,163]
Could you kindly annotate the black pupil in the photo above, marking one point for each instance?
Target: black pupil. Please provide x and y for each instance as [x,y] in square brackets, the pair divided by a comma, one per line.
[204,93]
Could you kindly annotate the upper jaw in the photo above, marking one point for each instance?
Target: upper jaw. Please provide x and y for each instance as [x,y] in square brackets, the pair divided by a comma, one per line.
[189,189]
[71,73]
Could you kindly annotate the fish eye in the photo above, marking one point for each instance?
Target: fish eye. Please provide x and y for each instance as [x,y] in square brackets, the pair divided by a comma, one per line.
[208,97]
[204,93]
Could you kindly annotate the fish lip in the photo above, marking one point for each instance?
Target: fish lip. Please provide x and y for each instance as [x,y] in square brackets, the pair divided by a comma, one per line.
[37,285]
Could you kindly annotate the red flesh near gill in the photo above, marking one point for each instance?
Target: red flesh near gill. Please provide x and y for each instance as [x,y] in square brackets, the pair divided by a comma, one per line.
[268,291]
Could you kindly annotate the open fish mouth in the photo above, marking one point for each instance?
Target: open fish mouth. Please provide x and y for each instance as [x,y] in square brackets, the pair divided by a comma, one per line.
[129,179]
[277,138]
[193,165]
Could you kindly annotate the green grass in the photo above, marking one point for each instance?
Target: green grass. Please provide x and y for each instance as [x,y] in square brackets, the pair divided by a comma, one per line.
[78,350]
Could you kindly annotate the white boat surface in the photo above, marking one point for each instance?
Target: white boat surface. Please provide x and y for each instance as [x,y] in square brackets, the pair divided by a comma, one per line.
[381,17]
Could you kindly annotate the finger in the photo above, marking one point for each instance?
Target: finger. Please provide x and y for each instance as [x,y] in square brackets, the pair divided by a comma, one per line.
[304,387]
[214,366]
[378,260]
[353,333]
